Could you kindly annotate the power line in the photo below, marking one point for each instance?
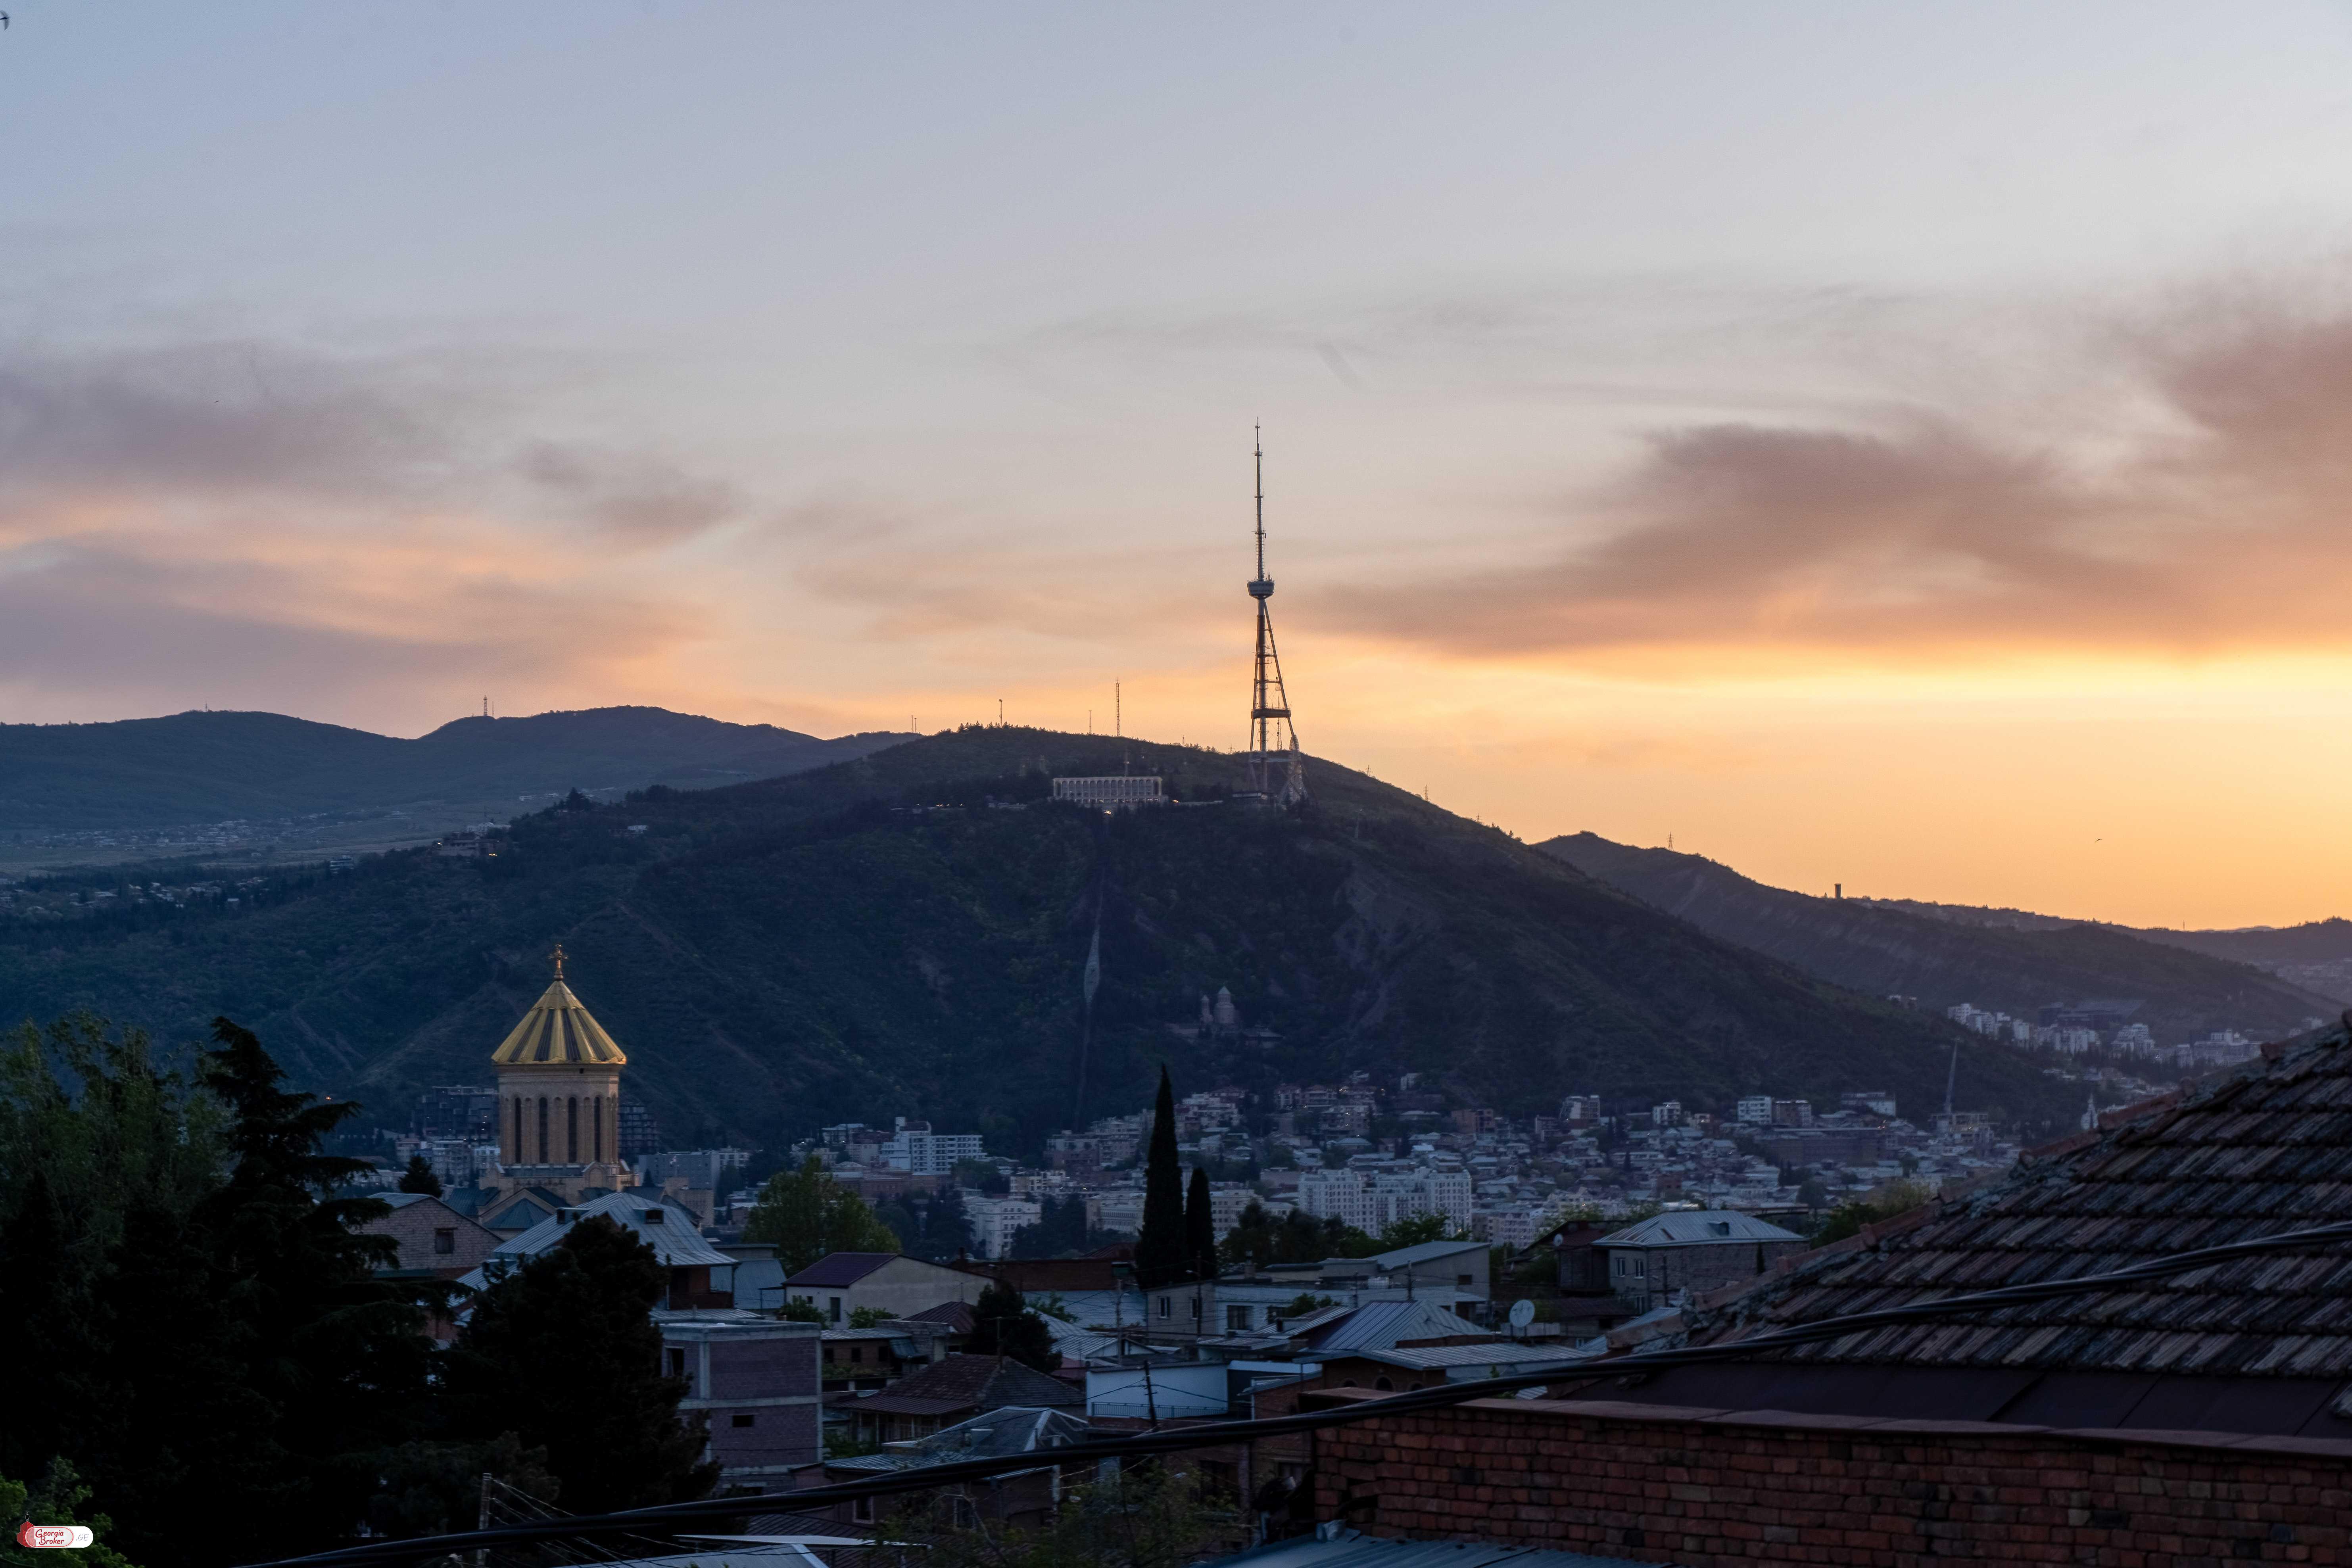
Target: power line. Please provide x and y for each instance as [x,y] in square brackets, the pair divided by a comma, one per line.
[926,1477]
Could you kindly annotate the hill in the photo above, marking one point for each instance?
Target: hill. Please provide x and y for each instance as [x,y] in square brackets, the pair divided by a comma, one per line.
[2011,961]
[2315,956]
[207,767]
[875,937]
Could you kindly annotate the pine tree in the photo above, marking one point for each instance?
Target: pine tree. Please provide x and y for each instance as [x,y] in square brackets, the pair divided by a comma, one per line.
[1161,1249]
[564,1353]
[339,1353]
[1004,1325]
[419,1178]
[1200,1227]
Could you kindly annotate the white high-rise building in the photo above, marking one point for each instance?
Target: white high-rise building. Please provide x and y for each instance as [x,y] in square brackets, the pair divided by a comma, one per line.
[917,1150]
[995,1221]
[1373,1204]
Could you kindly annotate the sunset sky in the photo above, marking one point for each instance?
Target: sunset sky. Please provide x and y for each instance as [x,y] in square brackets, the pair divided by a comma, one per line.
[1904,446]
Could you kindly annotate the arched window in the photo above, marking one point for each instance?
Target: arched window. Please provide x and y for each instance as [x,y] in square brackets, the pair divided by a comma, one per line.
[1384,1384]
[519,1158]
[596,1129]
[571,1130]
[542,1131]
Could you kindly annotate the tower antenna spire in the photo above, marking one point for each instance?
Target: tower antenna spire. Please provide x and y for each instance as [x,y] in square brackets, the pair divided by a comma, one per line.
[1273,764]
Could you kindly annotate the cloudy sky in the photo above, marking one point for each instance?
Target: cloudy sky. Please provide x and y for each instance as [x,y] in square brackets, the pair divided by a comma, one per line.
[1909,446]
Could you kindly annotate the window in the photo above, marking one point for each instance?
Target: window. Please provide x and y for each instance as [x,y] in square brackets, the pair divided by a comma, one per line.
[444,1242]
[857,1352]
[542,1131]
[1167,1307]
[963,1513]
[1237,1317]
[572,1129]
[835,1308]
[861,1510]
[1196,1307]
[742,1418]
[676,1361]
[1383,1385]
[1461,1281]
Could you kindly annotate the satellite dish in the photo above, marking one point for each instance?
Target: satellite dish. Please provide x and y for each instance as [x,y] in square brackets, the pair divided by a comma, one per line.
[1523,1313]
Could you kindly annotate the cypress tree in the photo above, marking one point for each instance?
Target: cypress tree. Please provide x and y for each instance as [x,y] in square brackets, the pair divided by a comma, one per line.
[419,1178]
[564,1353]
[1160,1250]
[1200,1228]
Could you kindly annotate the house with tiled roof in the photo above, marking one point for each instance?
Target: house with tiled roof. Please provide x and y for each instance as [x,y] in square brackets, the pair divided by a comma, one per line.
[952,1390]
[897,1286]
[2196,1416]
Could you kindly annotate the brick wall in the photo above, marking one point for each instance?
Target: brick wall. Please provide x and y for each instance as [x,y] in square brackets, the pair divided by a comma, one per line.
[1702,1487]
[412,1227]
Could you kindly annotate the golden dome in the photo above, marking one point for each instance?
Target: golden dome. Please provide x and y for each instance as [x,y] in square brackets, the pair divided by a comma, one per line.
[558,1032]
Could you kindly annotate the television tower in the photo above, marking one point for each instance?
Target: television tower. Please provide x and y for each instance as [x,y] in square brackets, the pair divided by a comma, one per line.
[1272,769]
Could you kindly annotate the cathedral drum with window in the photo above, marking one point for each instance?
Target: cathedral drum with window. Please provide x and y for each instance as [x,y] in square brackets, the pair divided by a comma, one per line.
[560,1099]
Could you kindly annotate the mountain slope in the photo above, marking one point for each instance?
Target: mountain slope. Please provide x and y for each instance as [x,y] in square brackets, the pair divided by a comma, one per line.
[212,767]
[2316,955]
[778,955]
[1885,951]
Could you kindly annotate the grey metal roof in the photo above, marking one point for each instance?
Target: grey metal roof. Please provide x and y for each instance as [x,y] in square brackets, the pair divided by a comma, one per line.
[1014,1429]
[2266,1150]
[674,1238]
[1505,1354]
[1346,1548]
[1695,1228]
[1425,1252]
[1379,1325]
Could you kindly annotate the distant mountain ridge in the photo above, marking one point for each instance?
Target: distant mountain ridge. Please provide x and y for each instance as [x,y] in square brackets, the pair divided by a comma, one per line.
[2011,961]
[879,937]
[203,766]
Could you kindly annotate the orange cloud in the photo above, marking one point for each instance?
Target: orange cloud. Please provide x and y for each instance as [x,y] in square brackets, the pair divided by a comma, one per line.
[2217,528]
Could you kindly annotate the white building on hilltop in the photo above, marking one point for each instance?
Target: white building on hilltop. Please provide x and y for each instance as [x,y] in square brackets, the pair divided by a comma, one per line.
[1117,792]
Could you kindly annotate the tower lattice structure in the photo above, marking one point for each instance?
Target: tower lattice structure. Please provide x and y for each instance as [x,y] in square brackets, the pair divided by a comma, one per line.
[1272,762]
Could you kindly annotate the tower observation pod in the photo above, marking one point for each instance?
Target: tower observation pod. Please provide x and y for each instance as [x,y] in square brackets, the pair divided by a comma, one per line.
[1271,763]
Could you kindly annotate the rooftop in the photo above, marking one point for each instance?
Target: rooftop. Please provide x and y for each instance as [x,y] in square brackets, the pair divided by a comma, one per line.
[1695,1228]
[841,1269]
[2267,1150]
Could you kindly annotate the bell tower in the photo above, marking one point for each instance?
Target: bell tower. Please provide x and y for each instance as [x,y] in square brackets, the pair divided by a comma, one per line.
[560,1098]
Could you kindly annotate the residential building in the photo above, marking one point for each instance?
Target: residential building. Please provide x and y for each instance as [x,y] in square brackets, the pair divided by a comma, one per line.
[1661,1259]
[955,1390]
[995,1221]
[914,1148]
[897,1286]
[436,1241]
[756,1381]
[2201,1417]
[700,1276]
[1754,1110]
[1372,1203]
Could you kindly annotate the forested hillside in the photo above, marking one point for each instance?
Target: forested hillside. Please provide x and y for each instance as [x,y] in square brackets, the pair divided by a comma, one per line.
[1942,960]
[876,936]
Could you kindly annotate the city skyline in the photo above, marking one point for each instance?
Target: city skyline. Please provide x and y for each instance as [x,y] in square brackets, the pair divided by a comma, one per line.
[1883,449]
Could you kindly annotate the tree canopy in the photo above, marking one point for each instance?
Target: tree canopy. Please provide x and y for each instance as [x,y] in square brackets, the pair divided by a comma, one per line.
[419,1178]
[564,1353]
[806,1215]
[1003,1324]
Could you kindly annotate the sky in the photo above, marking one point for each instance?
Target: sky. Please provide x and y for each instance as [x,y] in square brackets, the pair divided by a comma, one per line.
[1907,448]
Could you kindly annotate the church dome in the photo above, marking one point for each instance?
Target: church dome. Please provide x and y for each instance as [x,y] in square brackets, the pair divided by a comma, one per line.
[559,1032]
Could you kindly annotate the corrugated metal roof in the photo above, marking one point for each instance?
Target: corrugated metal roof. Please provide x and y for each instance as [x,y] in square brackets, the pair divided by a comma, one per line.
[2265,1150]
[1692,1228]
[1346,1548]
[673,1238]
[1424,1252]
[1379,1325]
[1506,1354]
